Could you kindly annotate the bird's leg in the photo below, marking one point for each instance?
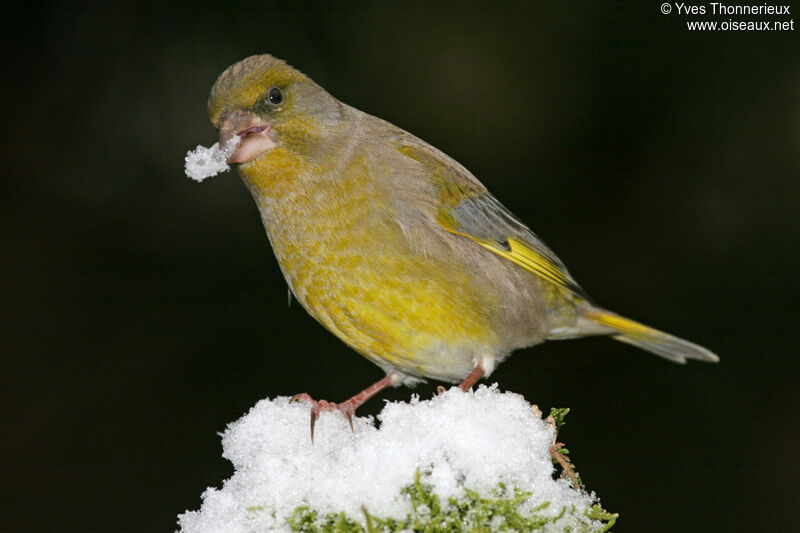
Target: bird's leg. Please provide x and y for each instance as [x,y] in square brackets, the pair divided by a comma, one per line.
[476,374]
[348,407]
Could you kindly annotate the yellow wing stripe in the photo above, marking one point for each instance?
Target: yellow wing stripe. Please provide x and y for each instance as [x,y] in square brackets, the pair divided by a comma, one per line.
[621,324]
[527,258]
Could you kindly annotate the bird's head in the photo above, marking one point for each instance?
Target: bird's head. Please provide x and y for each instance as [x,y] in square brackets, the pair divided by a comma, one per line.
[269,104]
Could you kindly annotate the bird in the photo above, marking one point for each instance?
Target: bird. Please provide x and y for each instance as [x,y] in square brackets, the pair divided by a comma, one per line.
[395,247]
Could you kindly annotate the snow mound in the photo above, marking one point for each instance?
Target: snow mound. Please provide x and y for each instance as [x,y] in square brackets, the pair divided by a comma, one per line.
[460,441]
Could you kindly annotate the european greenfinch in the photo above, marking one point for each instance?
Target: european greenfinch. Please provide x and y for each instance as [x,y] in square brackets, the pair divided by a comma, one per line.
[395,247]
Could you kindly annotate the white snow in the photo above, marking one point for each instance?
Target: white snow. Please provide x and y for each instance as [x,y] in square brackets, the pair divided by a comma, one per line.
[469,440]
[202,162]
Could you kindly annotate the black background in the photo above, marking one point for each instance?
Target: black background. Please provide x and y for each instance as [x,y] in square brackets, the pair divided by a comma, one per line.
[142,311]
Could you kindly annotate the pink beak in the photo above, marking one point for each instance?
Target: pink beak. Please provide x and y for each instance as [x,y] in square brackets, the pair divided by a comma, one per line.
[255,135]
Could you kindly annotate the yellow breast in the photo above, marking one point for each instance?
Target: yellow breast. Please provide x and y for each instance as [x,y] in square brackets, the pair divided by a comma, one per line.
[349,264]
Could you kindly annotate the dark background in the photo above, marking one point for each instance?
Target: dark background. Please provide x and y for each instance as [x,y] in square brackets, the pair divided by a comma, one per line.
[142,312]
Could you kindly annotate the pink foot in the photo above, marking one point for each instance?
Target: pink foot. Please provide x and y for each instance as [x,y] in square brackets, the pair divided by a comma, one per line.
[346,408]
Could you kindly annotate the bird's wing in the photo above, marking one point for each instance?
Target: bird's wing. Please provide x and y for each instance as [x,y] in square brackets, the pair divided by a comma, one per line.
[466,208]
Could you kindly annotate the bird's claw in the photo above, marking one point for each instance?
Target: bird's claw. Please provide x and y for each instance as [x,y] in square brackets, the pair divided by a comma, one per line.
[302,397]
[317,406]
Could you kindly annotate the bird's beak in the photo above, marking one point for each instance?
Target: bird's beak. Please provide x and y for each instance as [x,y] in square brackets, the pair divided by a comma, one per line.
[255,135]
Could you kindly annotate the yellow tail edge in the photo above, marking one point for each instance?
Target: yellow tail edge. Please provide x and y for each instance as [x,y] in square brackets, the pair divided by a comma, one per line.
[650,339]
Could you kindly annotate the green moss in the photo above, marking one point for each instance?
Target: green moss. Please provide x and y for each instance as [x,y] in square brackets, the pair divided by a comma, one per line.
[306,520]
[596,512]
[502,510]
[559,416]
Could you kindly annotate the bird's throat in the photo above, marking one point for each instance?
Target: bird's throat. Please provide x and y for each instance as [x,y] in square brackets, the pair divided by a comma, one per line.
[274,172]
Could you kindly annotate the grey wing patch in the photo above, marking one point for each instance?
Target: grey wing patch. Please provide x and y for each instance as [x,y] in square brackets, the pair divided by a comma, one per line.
[463,206]
[484,218]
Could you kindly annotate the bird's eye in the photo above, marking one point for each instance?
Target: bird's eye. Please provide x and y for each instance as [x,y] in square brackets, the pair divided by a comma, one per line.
[275,96]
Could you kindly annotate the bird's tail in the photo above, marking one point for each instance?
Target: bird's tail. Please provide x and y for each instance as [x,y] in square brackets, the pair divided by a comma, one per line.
[647,338]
